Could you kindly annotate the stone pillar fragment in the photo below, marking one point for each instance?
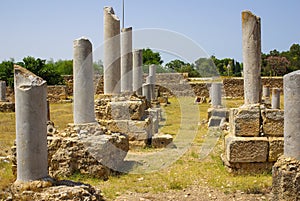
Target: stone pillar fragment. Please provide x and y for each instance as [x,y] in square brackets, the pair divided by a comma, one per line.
[83,73]
[152,75]
[150,81]
[275,98]
[2,91]
[291,83]
[31,125]
[147,91]
[126,60]
[112,61]
[137,71]
[216,94]
[266,92]
[251,29]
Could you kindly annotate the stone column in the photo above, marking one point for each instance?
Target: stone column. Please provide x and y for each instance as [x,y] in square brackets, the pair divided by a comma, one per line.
[31,125]
[251,29]
[137,71]
[266,91]
[291,83]
[152,75]
[126,60]
[83,91]
[112,60]
[2,91]
[216,94]
[150,81]
[147,91]
[275,98]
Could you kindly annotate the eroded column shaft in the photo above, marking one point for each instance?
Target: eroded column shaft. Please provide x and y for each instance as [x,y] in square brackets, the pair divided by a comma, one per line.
[216,94]
[275,98]
[83,92]
[2,91]
[291,83]
[251,37]
[137,80]
[126,60]
[112,54]
[31,125]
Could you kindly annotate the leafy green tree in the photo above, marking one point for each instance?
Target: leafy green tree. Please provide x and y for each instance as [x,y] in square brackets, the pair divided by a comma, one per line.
[98,67]
[63,67]
[41,69]
[206,67]
[7,72]
[150,57]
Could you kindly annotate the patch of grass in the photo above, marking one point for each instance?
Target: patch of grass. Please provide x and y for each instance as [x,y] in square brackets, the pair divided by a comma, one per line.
[6,175]
[61,115]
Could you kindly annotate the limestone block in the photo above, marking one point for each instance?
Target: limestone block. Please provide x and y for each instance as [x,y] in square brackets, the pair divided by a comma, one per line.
[218,112]
[246,149]
[116,126]
[273,121]
[286,179]
[275,148]
[161,141]
[140,130]
[215,121]
[245,121]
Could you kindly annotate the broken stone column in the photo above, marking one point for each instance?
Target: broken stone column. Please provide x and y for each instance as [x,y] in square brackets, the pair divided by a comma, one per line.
[152,76]
[286,180]
[266,92]
[147,91]
[112,61]
[31,125]
[150,81]
[2,91]
[216,94]
[83,92]
[126,60]
[251,29]
[275,98]
[137,81]
[291,83]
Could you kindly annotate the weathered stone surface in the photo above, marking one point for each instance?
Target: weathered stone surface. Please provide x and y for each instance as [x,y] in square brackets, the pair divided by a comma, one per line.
[286,180]
[7,107]
[247,168]
[245,121]
[251,37]
[291,84]
[126,60]
[275,148]
[161,141]
[46,190]
[125,108]
[215,121]
[246,149]
[272,122]
[87,149]
[218,112]
[57,93]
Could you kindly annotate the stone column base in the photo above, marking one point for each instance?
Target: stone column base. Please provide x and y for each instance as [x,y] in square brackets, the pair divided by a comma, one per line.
[286,179]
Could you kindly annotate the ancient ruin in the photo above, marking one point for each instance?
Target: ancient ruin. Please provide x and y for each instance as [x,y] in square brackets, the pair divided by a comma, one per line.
[126,60]
[255,139]
[286,180]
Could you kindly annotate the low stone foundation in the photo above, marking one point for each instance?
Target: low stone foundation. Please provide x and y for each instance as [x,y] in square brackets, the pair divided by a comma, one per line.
[255,140]
[88,149]
[286,180]
[50,189]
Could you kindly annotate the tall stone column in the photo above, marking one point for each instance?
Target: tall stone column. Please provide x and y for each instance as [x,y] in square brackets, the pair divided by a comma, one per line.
[216,94]
[31,125]
[83,92]
[112,54]
[291,83]
[137,80]
[152,75]
[2,91]
[275,98]
[251,29]
[126,60]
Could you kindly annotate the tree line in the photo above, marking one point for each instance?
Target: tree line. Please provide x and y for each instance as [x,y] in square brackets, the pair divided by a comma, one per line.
[274,63]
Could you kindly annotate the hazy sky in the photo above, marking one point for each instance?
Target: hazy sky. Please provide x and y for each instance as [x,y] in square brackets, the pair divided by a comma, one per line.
[47,28]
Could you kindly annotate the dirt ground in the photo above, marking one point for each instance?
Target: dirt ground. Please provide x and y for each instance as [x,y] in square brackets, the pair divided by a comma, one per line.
[195,193]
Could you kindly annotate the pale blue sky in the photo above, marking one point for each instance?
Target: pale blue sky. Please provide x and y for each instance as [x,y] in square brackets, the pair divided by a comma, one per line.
[47,28]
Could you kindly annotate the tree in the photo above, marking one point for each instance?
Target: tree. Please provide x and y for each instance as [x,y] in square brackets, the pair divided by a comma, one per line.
[39,68]
[276,66]
[150,57]
[206,67]
[64,67]
[7,72]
